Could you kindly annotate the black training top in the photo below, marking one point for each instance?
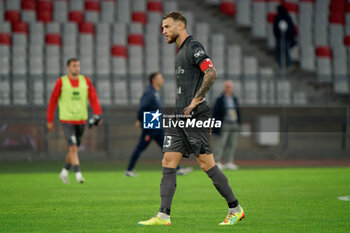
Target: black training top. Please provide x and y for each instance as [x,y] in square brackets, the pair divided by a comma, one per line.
[189,76]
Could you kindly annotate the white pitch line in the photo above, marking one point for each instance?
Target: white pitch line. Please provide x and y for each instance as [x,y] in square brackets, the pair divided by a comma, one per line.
[344,198]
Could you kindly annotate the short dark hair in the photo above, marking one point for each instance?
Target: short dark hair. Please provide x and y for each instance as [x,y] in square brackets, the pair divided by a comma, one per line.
[73,59]
[176,16]
[152,76]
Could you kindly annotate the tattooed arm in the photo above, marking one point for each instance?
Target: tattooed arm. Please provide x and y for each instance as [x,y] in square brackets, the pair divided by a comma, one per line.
[208,81]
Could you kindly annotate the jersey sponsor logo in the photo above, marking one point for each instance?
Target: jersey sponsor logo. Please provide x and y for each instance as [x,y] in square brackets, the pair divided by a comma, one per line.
[178,91]
[151,120]
[76,95]
[179,70]
[198,53]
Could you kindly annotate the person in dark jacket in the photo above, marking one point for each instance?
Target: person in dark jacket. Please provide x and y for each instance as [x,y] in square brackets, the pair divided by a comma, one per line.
[227,110]
[150,101]
[283,20]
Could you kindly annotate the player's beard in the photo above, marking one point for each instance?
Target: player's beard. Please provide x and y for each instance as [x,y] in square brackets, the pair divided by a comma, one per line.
[75,73]
[172,39]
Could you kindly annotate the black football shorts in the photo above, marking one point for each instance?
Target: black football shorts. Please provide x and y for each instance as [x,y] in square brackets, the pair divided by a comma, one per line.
[73,133]
[179,139]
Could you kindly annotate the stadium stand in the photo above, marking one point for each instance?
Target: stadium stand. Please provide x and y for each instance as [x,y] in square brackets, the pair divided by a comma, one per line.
[322,27]
[121,41]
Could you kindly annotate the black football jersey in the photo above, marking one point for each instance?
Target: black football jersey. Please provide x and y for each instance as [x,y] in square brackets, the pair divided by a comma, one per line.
[189,76]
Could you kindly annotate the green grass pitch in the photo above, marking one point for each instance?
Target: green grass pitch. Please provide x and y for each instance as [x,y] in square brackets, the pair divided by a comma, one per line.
[33,199]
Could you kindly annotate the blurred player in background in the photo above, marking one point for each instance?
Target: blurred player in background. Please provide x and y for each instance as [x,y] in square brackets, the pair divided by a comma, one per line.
[195,74]
[226,109]
[150,101]
[72,93]
[288,37]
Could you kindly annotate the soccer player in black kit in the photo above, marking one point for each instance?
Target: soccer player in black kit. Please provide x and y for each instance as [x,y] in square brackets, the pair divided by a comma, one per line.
[195,74]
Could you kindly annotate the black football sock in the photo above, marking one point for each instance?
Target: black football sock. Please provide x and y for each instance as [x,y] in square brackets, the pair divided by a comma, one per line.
[167,189]
[221,184]
[233,204]
[76,168]
[67,166]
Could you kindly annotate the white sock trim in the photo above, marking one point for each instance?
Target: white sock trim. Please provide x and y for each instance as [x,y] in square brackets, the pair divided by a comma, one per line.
[236,210]
[163,216]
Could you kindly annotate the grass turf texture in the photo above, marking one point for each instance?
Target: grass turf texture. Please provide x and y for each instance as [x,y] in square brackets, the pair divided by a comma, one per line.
[33,199]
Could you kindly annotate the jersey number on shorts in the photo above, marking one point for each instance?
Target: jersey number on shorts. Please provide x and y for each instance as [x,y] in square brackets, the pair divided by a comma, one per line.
[167,141]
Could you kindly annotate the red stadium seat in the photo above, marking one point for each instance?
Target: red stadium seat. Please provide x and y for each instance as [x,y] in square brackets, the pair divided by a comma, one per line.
[291,6]
[280,1]
[28,5]
[5,39]
[119,51]
[13,16]
[44,11]
[347,7]
[44,16]
[76,16]
[139,17]
[337,18]
[155,6]
[92,6]
[337,8]
[271,17]
[347,41]
[228,8]
[20,27]
[53,39]
[87,28]
[324,51]
[135,39]
[44,5]
[296,31]
[338,1]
